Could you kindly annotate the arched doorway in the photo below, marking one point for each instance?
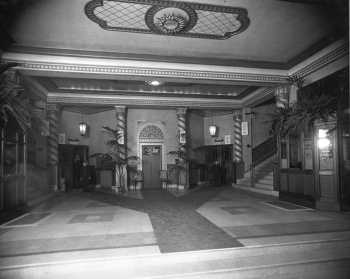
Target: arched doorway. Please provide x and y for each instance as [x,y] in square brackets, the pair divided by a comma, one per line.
[151,151]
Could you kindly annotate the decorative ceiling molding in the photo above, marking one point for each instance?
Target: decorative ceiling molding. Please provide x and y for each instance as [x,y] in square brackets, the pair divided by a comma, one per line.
[321,59]
[143,101]
[147,69]
[259,96]
[174,18]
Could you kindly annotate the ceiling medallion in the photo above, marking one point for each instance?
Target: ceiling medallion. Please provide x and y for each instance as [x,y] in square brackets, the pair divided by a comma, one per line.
[172,18]
[171,24]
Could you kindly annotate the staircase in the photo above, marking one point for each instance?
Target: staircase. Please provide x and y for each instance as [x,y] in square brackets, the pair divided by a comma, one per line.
[263,179]
[262,157]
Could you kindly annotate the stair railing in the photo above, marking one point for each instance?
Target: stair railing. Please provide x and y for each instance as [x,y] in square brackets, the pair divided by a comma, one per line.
[262,152]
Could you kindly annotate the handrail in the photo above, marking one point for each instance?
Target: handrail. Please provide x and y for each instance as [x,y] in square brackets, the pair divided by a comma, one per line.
[264,150]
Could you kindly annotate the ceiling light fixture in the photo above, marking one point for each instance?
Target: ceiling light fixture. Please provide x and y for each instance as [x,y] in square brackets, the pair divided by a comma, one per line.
[154,82]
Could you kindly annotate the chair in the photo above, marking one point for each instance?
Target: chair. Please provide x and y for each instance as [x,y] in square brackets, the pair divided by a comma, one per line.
[164,180]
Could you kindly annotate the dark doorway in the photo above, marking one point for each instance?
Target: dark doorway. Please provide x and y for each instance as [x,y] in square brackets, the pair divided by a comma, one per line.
[151,162]
[71,158]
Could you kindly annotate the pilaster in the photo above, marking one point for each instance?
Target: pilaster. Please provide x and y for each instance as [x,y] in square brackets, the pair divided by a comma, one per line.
[52,152]
[238,144]
[182,139]
[121,127]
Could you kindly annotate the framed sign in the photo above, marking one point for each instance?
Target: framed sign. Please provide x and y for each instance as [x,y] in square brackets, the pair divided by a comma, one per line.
[244,128]
[227,139]
[182,138]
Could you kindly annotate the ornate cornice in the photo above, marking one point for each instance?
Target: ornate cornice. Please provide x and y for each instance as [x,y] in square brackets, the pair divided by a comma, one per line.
[185,71]
[259,96]
[320,60]
[81,99]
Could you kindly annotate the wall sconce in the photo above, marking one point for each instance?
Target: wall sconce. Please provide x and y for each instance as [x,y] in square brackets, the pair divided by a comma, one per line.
[212,130]
[83,128]
[323,142]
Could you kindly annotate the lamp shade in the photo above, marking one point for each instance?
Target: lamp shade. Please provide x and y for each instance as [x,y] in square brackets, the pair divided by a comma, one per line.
[82,128]
[212,130]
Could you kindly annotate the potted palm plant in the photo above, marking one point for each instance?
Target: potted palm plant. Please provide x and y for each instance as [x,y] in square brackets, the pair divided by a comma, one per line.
[114,154]
[13,103]
[181,164]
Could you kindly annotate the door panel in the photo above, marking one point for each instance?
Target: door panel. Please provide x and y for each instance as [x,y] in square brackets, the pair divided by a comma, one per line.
[151,162]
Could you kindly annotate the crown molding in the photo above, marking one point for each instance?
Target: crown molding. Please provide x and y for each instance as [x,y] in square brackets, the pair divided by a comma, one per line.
[100,66]
[260,95]
[326,56]
[124,67]
[120,100]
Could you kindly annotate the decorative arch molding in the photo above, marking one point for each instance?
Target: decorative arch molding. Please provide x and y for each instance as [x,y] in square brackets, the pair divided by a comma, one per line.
[151,133]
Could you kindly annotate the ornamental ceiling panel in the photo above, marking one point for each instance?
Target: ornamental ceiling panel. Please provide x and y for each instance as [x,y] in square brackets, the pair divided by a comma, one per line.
[168,18]
[278,35]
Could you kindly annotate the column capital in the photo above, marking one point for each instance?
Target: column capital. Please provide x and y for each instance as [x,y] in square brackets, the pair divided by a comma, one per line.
[120,109]
[180,111]
[52,107]
[237,113]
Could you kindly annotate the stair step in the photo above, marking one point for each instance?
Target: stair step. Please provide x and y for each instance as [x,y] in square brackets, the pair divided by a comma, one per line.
[265,181]
[296,260]
[248,188]
[264,186]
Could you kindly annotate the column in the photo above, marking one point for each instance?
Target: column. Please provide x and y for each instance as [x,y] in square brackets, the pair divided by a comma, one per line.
[238,144]
[182,130]
[52,152]
[121,170]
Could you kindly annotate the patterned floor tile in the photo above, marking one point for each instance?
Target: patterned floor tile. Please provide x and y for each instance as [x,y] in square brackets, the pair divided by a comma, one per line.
[234,210]
[92,218]
[27,219]
[286,205]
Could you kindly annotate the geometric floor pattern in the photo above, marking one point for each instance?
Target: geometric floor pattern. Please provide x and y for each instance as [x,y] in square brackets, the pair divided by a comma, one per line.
[286,205]
[27,219]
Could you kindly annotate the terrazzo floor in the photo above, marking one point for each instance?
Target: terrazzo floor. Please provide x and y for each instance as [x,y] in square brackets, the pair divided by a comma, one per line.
[156,221]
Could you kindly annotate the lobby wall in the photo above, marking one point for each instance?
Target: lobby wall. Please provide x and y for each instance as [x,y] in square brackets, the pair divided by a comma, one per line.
[167,118]
[69,125]
[262,123]
[195,133]
[225,127]
[96,140]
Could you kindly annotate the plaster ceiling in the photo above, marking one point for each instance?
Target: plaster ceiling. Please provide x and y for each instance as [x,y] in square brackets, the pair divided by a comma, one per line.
[278,33]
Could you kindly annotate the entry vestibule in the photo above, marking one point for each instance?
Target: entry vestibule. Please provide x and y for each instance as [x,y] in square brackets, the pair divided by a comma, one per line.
[151,165]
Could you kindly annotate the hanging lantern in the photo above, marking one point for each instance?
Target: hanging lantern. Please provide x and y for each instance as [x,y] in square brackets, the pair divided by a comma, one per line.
[212,130]
[83,128]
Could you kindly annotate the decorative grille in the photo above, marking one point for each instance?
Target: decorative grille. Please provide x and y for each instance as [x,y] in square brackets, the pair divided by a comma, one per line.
[151,132]
[172,18]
